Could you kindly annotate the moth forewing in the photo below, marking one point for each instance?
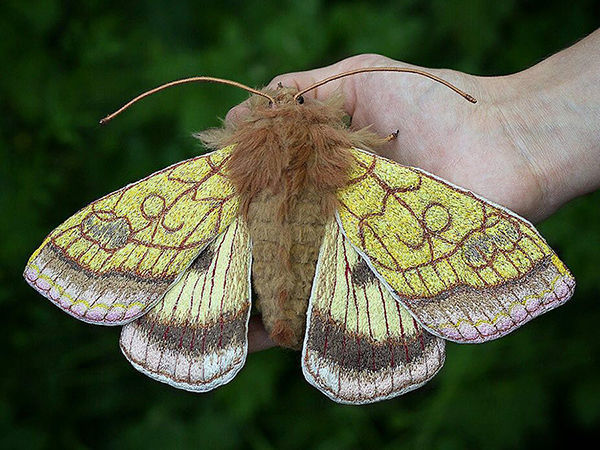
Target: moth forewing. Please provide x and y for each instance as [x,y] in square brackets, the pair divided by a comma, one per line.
[467,269]
[115,258]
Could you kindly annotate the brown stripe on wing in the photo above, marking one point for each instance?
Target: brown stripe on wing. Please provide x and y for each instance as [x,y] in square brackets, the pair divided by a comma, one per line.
[203,339]
[182,352]
[469,314]
[361,353]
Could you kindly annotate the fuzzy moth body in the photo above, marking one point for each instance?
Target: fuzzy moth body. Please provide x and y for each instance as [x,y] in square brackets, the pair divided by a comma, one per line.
[287,165]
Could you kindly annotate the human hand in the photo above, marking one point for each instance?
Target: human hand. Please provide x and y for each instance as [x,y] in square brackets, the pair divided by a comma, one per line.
[493,148]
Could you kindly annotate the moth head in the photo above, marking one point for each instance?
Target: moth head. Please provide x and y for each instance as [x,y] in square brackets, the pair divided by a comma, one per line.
[285,95]
[287,104]
[281,96]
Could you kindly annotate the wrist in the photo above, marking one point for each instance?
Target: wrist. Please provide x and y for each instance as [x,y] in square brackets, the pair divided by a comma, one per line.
[523,115]
[529,117]
[551,114]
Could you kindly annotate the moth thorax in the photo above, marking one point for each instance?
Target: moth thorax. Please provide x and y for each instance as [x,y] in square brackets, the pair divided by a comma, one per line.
[284,253]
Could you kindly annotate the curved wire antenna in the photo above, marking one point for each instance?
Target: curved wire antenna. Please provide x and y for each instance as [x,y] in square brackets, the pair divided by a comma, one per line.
[387,69]
[184,81]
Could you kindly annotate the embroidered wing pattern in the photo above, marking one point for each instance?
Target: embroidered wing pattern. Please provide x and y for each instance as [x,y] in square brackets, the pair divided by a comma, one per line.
[118,256]
[468,270]
[362,345]
[196,337]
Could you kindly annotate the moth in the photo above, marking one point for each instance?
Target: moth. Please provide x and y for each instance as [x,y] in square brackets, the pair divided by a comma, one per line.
[365,265]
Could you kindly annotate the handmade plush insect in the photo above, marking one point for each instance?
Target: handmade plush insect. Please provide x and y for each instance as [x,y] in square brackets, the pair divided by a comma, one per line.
[364,264]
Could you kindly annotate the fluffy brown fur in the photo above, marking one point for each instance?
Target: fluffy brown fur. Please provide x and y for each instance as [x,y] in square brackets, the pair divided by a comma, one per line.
[288,162]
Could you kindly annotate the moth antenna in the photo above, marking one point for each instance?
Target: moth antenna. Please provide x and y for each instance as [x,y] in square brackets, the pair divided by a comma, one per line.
[387,69]
[184,81]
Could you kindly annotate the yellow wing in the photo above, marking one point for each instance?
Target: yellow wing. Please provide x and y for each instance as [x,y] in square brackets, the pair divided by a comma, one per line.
[196,337]
[118,255]
[361,345]
[468,270]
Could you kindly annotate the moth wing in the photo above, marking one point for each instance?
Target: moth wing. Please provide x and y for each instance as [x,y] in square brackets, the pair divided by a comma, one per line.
[196,337]
[117,256]
[361,345]
[468,270]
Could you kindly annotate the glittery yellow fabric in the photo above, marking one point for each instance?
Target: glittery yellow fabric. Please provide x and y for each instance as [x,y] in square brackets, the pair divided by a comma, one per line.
[120,253]
[425,236]
[469,270]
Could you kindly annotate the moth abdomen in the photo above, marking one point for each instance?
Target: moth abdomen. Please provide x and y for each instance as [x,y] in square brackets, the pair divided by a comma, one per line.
[284,260]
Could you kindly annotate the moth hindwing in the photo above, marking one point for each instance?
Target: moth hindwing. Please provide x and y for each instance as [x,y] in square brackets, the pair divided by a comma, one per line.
[195,338]
[361,344]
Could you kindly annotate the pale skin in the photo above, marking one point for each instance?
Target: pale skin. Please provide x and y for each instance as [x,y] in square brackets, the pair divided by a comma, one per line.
[531,143]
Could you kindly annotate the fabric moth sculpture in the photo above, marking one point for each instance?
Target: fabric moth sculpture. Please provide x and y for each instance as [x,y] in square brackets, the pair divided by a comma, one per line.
[363,264]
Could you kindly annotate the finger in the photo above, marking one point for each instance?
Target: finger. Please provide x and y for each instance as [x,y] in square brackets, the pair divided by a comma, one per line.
[236,114]
[298,80]
[258,338]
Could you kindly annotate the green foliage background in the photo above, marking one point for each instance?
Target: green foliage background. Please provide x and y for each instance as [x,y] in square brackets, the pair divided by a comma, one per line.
[66,64]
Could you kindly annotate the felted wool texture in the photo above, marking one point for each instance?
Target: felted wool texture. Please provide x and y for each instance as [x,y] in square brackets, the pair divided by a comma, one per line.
[284,260]
[287,164]
[289,148]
